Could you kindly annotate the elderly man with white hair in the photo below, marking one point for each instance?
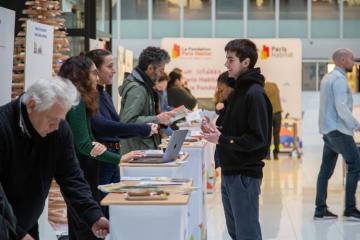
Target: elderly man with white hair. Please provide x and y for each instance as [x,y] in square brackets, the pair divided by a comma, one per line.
[337,125]
[35,147]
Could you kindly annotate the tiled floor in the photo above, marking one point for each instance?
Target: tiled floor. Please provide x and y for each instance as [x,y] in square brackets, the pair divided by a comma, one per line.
[287,204]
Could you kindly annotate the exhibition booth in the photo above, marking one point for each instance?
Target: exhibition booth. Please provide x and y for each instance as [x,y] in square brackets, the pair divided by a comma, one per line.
[181,214]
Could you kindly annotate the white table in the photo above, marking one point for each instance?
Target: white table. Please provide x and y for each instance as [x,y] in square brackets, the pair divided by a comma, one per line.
[150,220]
[192,167]
[195,169]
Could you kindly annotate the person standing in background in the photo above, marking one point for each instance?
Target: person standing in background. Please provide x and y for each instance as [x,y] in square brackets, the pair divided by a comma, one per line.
[273,93]
[160,88]
[106,125]
[82,72]
[139,103]
[225,87]
[178,95]
[337,125]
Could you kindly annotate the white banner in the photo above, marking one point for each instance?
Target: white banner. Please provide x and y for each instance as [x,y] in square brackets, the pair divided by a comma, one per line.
[7,26]
[119,79]
[39,52]
[202,60]
[96,44]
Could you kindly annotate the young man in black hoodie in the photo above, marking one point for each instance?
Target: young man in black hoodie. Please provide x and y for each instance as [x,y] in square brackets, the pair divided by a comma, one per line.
[243,142]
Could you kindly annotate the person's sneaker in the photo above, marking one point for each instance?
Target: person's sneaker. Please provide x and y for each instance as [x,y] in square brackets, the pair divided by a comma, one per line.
[354,215]
[326,215]
[276,156]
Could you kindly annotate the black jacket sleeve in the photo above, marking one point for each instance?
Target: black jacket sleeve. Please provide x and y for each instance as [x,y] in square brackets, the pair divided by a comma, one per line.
[71,180]
[119,129]
[179,96]
[257,135]
[20,232]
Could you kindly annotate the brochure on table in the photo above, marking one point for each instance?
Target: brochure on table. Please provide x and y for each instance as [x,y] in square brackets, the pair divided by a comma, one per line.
[7,26]
[191,116]
[39,52]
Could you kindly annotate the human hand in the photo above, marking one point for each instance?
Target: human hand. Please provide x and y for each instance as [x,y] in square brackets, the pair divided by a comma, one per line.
[207,126]
[97,149]
[131,155]
[212,137]
[27,237]
[219,106]
[101,227]
[154,129]
[164,117]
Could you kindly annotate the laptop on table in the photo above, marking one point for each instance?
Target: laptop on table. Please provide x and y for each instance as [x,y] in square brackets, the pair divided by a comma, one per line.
[171,153]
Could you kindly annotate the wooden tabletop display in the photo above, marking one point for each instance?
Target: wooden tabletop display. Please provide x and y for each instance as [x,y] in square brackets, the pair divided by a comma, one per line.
[169,194]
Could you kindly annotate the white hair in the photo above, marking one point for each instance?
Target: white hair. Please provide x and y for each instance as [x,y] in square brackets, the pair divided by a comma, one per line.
[47,92]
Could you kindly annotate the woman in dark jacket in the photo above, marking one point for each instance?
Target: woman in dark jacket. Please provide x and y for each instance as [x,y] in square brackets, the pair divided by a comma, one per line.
[82,72]
[225,87]
[178,94]
[106,125]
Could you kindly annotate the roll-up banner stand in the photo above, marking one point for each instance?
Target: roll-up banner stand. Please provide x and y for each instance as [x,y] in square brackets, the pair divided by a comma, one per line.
[7,26]
[39,52]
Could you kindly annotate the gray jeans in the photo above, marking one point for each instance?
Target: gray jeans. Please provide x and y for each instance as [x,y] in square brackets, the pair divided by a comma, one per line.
[240,196]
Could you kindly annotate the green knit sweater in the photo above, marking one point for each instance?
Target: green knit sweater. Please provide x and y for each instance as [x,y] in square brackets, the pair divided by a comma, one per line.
[83,138]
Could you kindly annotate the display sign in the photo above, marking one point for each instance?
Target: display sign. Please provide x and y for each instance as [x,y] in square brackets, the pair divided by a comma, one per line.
[7,26]
[39,52]
[119,79]
[129,60]
[96,44]
[202,61]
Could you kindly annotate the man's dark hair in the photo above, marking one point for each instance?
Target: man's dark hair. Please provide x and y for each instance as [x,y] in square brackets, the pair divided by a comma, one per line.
[154,56]
[243,48]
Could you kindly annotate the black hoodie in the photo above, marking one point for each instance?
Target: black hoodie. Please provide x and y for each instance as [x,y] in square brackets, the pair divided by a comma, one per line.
[246,127]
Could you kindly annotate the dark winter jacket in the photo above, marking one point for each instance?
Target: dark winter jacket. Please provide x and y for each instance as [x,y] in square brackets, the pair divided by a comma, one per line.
[138,105]
[106,125]
[28,164]
[246,127]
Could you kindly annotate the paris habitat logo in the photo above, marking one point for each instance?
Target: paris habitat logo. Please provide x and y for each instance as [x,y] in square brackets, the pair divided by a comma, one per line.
[175,53]
[265,52]
[276,52]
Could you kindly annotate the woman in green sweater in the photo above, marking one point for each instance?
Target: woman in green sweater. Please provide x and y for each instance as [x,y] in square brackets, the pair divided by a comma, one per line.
[82,72]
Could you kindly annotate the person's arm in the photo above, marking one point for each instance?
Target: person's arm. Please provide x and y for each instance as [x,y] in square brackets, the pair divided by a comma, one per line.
[134,103]
[4,156]
[182,97]
[100,124]
[82,139]
[340,89]
[71,180]
[257,136]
